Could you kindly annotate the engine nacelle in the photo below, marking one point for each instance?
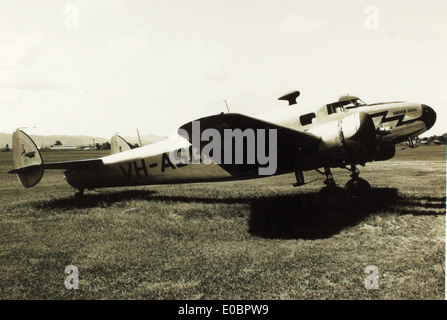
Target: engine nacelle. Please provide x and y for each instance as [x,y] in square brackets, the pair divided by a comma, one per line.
[350,140]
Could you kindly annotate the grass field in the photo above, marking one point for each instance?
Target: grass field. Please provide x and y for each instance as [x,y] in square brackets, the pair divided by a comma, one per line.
[257,239]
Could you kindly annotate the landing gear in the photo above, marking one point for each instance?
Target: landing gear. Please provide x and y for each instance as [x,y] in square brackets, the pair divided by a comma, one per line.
[354,189]
[332,195]
[329,177]
[299,178]
[357,187]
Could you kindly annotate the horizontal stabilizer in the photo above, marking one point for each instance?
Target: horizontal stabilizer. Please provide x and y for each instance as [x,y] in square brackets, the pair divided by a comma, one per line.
[73,165]
[27,169]
[64,165]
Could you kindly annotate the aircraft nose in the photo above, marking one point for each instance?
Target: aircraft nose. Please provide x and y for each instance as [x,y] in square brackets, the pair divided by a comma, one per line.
[428,116]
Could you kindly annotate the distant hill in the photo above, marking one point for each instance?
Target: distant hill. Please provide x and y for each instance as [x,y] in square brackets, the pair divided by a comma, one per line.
[47,141]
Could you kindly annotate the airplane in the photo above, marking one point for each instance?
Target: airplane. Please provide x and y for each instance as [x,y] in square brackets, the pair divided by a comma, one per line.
[342,134]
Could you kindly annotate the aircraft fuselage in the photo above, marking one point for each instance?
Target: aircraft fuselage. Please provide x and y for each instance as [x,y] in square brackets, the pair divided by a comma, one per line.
[391,122]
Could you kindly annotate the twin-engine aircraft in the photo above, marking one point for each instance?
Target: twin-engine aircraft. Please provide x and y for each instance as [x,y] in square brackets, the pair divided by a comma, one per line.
[231,146]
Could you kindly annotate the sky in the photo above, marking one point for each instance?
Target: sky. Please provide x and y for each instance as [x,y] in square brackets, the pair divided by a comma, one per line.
[100,67]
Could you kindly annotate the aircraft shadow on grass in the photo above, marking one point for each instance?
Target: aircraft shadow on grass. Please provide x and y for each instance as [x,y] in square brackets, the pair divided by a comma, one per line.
[306,217]
[296,216]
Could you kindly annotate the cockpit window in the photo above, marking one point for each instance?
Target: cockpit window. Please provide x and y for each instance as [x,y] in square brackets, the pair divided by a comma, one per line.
[354,103]
[341,106]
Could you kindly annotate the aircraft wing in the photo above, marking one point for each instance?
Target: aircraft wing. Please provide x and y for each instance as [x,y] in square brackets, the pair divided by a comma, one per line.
[292,145]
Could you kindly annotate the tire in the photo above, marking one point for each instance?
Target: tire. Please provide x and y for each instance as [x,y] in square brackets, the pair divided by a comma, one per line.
[358,188]
[332,196]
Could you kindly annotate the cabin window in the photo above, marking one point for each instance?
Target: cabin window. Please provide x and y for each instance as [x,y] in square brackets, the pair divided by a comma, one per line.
[307,119]
[336,107]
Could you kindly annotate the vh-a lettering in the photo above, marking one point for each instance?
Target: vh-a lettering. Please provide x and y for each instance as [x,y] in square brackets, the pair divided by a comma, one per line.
[166,162]
[184,161]
[128,172]
[142,168]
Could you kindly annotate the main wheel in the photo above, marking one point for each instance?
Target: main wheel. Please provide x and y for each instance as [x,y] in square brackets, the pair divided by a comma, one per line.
[358,187]
[332,196]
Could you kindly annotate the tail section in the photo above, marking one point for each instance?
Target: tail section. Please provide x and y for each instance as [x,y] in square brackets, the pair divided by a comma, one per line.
[28,163]
[29,166]
[118,144]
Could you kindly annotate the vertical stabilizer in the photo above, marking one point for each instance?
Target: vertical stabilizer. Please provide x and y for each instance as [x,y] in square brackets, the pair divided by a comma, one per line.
[28,162]
[118,144]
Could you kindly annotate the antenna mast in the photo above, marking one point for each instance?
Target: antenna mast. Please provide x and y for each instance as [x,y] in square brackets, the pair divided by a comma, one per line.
[139,139]
[226,104]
